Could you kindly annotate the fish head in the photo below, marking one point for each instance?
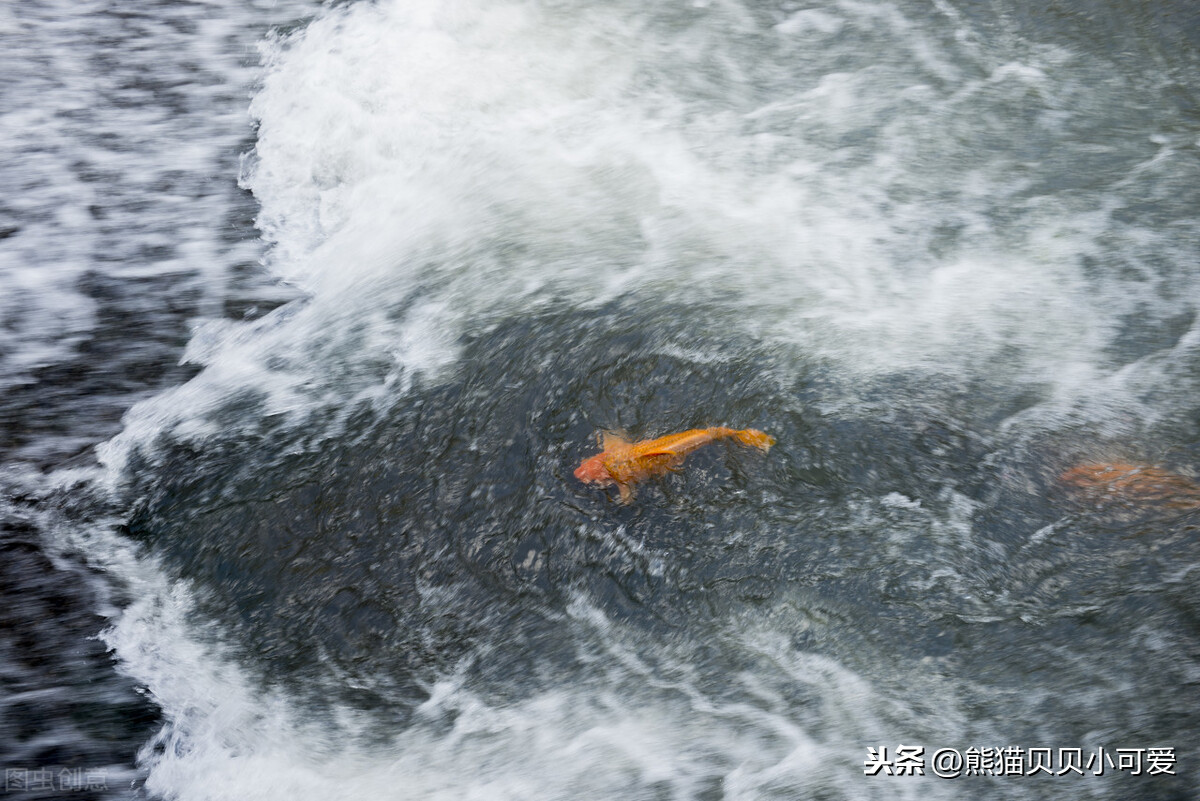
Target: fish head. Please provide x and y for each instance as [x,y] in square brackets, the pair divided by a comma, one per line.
[593,471]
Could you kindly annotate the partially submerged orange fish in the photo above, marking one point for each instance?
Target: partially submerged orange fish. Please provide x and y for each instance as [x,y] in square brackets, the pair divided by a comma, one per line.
[625,463]
[1133,483]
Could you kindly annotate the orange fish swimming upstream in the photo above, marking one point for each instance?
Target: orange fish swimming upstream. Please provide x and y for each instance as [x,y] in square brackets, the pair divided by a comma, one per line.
[1111,482]
[625,463]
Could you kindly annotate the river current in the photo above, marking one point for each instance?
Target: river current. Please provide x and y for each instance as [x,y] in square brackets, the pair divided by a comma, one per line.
[308,313]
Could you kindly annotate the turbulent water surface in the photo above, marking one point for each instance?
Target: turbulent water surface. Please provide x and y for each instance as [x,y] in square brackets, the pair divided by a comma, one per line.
[309,312]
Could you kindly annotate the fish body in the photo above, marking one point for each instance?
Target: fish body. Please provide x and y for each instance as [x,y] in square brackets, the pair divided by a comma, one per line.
[1133,483]
[626,463]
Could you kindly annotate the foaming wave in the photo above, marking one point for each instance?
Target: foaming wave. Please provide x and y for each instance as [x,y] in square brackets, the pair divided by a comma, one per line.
[637,721]
[894,214]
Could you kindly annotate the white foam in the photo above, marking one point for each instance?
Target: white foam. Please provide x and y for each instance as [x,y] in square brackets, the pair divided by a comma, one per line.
[900,501]
[632,729]
[810,19]
[504,155]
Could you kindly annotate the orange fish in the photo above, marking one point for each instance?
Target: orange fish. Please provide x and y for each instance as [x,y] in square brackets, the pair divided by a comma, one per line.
[1135,483]
[625,463]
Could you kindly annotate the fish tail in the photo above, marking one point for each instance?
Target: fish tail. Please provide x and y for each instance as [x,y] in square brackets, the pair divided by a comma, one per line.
[754,438]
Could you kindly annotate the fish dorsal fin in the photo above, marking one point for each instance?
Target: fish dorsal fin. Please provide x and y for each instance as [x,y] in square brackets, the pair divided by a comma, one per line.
[614,441]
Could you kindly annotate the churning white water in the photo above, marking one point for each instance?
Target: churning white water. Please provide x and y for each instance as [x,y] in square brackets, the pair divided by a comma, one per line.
[874,184]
